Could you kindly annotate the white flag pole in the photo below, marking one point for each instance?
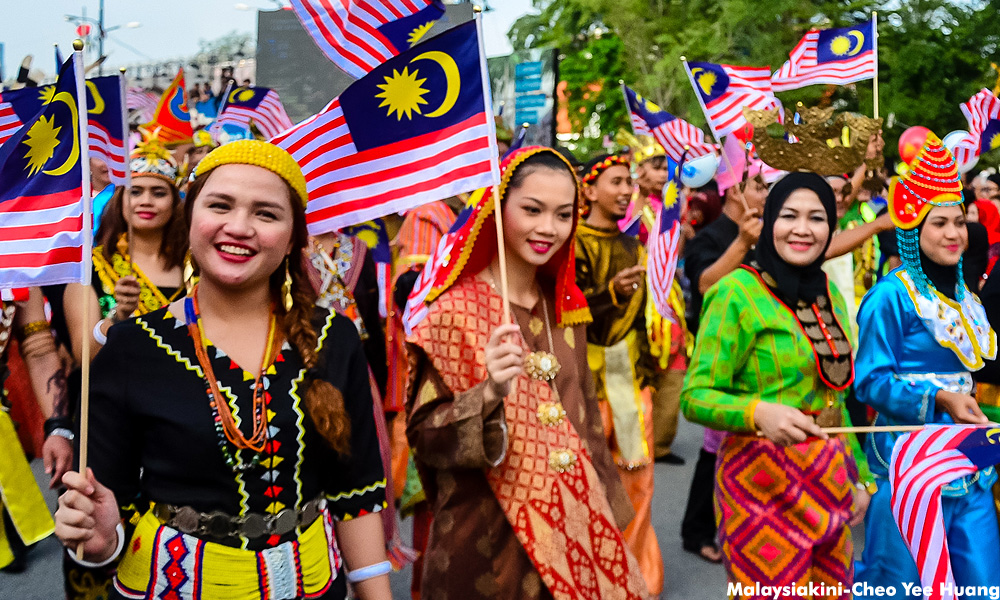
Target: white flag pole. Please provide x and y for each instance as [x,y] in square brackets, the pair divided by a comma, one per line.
[86,260]
[875,58]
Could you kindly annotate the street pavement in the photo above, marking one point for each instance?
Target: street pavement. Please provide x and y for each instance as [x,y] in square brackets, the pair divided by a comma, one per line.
[687,576]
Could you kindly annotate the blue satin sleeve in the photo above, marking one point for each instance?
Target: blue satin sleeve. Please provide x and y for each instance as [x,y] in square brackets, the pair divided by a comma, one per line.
[883,346]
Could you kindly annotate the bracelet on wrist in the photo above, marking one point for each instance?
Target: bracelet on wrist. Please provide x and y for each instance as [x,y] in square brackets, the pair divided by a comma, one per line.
[370,572]
[54,426]
[32,328]
[99,336]
[120,532]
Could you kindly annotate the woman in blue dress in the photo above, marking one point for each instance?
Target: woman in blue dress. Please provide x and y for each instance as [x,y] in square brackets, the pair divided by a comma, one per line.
[922,334]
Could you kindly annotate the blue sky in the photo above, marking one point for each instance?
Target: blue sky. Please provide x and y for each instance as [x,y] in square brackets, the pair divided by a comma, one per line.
[170,29]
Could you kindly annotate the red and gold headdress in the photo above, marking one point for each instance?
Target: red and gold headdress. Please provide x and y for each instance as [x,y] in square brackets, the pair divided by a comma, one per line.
[931,180]
[596,169]
[475,245]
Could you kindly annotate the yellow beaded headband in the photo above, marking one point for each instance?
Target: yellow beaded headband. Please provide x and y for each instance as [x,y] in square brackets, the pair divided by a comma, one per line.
[259,154]
[595,171]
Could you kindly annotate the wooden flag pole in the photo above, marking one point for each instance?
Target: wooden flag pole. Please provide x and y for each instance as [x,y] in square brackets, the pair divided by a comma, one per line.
[867,429]
[501,255]
[875,57]
[127,191]
[718,140]
[87,260]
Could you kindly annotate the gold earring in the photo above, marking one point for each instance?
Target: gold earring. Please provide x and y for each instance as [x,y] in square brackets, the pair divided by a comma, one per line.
[188,272]
[286,289]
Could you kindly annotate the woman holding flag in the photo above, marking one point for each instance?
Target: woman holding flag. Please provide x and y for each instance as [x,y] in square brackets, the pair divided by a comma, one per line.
[925,331]
[246,482]
[502,417]
[771,366]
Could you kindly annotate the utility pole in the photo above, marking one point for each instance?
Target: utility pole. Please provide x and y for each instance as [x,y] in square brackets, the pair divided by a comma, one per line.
[100,38]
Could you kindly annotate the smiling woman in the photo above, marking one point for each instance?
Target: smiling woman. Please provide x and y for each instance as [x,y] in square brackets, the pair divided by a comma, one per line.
[241,415]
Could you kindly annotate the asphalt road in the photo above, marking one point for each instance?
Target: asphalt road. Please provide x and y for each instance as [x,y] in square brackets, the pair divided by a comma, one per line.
[687,576]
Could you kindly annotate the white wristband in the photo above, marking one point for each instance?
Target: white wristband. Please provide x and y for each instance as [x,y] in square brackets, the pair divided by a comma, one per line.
[371,571]
[120,531]
[99,335]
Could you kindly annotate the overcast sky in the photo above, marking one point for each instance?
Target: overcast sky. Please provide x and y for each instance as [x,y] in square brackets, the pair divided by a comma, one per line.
[169,29]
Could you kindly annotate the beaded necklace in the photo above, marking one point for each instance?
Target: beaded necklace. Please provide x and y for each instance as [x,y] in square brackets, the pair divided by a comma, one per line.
[222,414]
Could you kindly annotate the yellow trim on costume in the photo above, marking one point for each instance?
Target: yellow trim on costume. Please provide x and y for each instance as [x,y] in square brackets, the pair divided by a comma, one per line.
[358,492]
[121,266]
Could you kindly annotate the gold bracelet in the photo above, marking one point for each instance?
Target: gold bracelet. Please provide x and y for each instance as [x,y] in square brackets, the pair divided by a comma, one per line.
[34,327]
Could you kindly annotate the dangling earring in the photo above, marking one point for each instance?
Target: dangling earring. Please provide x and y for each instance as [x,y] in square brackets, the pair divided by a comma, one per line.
[188,272]
[286,289]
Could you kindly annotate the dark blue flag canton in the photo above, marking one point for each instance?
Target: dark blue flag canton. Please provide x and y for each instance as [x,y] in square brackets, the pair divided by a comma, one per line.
[844,43]
[406,32]
[246,97]
[43,157]
[982,446]
[431,87]
[710,79]
[649,112]
[990,140]
[104,102]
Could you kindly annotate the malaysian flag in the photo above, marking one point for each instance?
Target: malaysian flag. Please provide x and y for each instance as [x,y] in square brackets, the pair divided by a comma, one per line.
[416,308]
[105,126]
[258,103]
[662,248]
[725,90]
[835,56]
[921,463]
[359,35]
[672,133]
[983,114]
[142,102]
[376,237]
[41,207]
[414,130]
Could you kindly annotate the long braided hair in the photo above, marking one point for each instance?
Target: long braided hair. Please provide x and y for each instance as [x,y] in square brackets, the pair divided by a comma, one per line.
[324,402]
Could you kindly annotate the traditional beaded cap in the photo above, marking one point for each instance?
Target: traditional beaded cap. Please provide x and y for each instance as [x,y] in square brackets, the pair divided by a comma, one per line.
[259,154]
[151,158]
[597,168]
[931,180]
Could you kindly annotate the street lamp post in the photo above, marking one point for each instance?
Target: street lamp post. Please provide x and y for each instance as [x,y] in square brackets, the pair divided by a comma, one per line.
[102,32]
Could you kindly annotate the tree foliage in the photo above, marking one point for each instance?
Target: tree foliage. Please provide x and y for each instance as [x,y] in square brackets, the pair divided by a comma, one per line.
[933,54]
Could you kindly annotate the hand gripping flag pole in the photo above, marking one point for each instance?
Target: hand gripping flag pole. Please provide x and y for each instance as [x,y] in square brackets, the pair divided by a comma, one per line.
[711,127]
[87,260]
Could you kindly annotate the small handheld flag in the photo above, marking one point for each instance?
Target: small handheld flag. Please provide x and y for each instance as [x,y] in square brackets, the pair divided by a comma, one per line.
[831,56]
[41,210]
[172,118]
[673,133]
[663,248]
[983,114]
[725,90]
[258,103]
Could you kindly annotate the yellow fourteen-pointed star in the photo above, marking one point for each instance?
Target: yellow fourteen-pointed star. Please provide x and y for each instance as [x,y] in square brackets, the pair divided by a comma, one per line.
[41,140]
[402,93]
[419,32]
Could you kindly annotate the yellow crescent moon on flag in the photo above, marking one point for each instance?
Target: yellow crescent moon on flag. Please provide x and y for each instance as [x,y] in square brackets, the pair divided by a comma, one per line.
[451,76]
[860,37]
[98,100]
[75,152]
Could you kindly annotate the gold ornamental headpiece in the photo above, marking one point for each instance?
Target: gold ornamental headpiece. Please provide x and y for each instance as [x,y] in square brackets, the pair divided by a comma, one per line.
[823,143]
[643,147]
[259,154]
[151,158]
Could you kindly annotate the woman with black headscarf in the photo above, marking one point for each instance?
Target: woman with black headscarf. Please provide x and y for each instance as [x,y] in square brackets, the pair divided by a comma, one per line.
[924,332]
[771,366]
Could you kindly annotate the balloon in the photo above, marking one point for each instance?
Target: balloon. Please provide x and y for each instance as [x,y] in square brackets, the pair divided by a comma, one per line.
[950,141]
[699,171]
[911,142]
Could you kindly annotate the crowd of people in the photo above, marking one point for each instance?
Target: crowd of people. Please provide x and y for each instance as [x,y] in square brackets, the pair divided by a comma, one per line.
[257,426]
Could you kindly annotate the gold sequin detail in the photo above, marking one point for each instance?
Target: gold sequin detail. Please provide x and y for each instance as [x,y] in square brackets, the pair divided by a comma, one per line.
[562,460]
[259,154]
[551,413]
[570,337]
[535,325]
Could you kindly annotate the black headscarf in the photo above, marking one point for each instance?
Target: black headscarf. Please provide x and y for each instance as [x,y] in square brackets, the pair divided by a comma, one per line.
[976,257]
[944,278]
[795,283]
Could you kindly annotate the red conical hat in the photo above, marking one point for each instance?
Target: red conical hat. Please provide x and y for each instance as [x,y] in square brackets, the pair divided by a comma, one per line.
[932,180]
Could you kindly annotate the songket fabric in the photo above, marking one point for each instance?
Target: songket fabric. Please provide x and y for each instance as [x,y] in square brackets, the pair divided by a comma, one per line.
[517,485]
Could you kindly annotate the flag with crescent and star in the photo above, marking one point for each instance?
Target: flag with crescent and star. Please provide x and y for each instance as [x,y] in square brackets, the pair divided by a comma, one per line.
[260,104]
[105,125]
[416,129]
[830,56]
[725,90]
[673,133]
[663,247]
[41,210]
[983,113]
[375,235]
[359,35]
[172,118]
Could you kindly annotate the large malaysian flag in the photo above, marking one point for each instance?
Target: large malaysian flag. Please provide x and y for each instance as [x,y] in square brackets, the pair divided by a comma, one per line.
[725,90]
[414,130]
[832,56]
